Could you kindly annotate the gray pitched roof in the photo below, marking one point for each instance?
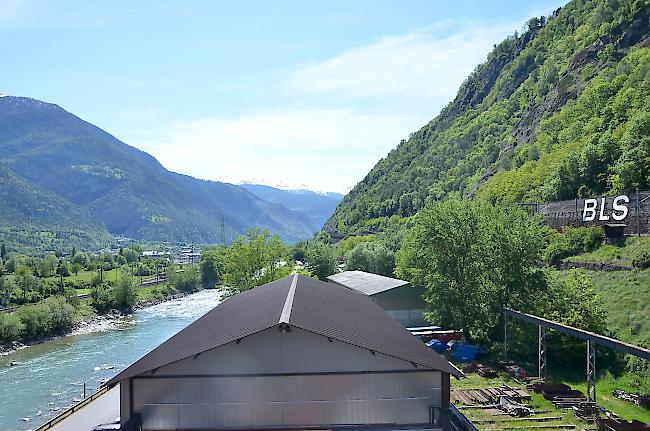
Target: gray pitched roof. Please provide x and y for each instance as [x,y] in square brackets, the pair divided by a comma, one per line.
[306,303]
[366,282]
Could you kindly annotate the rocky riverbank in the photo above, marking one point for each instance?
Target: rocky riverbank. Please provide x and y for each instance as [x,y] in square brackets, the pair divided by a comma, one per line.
[88,325]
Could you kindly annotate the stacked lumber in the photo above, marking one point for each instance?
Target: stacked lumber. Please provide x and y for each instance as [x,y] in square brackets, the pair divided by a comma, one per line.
[610,424]
[513,408]
[485,396]
[587,411]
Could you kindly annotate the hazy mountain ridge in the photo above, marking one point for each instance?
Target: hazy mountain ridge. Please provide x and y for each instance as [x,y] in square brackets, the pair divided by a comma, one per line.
[557,112]
[315,206]
[116,187]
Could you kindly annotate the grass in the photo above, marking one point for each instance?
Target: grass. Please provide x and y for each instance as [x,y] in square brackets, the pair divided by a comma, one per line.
[86,276]
[626,296]
[618,255]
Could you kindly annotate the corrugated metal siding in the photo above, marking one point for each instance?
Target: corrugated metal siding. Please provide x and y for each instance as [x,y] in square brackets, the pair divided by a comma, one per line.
[224,402]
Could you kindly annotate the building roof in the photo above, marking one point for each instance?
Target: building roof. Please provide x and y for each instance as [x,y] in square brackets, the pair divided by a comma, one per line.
[365,282]
[298,301]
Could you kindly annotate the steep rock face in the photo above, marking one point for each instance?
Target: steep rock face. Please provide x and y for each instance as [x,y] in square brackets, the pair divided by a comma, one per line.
[543,118]
[119,188]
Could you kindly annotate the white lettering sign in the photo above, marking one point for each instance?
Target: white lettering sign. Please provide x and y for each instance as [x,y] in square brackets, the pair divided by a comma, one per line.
[621,209]
[618,213]
[589,213]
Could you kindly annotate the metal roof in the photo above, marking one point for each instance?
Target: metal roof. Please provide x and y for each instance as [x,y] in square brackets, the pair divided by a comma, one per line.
[302,302]
[365,282]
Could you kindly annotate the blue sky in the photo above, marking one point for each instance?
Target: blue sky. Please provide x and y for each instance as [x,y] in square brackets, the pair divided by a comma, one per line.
[279,92]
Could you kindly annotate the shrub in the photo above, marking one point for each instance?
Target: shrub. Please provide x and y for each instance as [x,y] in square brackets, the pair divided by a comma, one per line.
[187,280]
[62,314]
[641,260]
[573,241]
[37,320]
[47,317]
[102,298]
[10,327]
[125,293]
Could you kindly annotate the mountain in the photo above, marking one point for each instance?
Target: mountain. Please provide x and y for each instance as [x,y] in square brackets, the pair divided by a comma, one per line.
[557,112]
[60,172]
[317,207]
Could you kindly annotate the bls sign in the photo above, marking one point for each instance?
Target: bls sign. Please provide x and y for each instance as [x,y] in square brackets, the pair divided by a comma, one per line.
[618,212]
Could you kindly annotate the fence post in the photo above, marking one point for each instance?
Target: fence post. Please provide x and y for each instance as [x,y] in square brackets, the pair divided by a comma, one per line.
[638,212]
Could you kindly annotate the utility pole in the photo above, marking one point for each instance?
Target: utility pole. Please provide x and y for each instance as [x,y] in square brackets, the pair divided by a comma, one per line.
[222,231]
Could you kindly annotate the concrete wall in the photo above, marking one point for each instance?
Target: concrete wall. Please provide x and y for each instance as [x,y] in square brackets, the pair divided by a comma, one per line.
[276,379]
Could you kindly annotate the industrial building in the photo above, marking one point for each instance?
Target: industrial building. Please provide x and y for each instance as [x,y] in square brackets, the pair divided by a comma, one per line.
[295,353]
[398,298]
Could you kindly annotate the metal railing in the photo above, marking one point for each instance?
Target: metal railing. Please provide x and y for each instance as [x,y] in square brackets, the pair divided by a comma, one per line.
[458,421]
[76,407]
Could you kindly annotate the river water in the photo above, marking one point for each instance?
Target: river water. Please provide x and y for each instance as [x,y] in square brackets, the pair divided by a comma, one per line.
[50,376]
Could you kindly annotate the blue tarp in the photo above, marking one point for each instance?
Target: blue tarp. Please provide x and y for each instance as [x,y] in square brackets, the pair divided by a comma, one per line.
[464,352]
[437,345]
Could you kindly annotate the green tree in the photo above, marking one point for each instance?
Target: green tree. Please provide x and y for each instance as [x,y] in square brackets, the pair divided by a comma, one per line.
[76,267]
[372,257]
[62,269]
[81,259]
[321,260]
[47,265]
[130,255]
[25,280]
[125,292]
[472,258]
[11,327]
[11,265]
[3,250]
[102,296]
[254,259]
[211,266]
[186,280]
[298,250]
[6,286]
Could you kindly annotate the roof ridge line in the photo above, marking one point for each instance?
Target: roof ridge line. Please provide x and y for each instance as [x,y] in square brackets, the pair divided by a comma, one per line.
[285,316]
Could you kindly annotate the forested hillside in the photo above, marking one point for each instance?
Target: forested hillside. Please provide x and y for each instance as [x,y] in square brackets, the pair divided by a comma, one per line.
[61,175]
[558,111]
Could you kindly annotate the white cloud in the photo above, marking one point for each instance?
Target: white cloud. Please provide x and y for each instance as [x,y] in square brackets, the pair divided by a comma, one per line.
[325,149]
[355,108]
[416,64]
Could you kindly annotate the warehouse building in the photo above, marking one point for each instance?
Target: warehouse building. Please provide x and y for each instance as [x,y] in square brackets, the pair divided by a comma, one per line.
[396,297]
[292,354]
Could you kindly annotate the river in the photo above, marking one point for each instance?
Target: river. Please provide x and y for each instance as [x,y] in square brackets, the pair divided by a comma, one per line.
[50,376]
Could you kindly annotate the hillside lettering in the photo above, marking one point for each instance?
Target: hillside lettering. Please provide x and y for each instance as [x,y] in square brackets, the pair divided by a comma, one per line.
[619,209]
